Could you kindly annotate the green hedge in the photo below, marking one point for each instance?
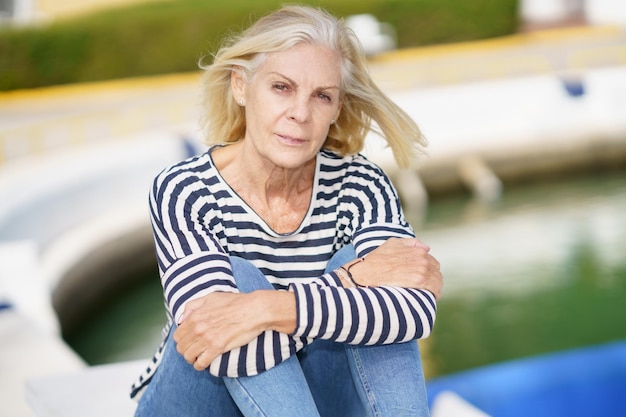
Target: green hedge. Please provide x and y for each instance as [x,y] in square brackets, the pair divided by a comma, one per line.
[170,36]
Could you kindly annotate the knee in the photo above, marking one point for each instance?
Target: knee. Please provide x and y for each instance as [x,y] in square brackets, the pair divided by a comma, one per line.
[247,276]
[341,257]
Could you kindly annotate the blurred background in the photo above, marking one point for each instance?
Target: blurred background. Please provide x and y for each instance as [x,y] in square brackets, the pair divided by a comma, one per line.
[522,195]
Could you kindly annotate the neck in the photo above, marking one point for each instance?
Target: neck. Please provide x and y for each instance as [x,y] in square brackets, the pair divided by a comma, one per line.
[264,177]
[283,183]
[271,190]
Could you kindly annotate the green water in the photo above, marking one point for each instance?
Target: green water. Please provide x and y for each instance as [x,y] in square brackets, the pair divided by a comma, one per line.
[541,270]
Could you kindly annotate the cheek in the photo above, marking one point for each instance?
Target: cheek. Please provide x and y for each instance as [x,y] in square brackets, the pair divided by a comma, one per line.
[269,110]
[262,112]
[323,117]
[322,132]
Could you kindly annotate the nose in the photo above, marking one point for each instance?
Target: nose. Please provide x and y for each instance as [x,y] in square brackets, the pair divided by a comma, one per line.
[299,110]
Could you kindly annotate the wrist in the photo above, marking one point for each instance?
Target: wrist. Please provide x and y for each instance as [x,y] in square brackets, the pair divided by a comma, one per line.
[278,310]
[347,271]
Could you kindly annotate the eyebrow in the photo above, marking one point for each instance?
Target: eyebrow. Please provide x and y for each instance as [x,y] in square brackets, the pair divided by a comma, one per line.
[330,87]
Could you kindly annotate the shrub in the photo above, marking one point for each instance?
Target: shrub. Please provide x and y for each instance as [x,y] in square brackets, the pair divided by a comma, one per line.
[166,37]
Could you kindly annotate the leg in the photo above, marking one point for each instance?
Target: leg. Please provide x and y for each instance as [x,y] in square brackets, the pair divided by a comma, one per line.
[356,381]
[388,379]
[177,389]
[328,375]
[280,391]
[326,368]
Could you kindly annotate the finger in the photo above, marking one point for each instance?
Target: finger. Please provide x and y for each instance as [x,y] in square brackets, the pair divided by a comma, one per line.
[190,307]
[439,287]
[190,353]
[181,332]
[204,360]
[433,263]
[186,333]
[414,243]
[199,364]
[422,245]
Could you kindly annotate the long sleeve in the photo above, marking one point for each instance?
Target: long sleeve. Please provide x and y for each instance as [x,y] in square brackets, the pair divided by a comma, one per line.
[363,316]
[191,262]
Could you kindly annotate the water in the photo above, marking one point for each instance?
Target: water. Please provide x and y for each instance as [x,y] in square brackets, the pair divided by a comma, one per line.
[129,327]
[539,271]
[542,270]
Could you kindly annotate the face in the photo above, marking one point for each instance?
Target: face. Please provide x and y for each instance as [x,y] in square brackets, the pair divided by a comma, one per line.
[290,104]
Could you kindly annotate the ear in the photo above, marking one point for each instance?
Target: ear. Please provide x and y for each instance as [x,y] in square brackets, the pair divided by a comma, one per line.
[237,83]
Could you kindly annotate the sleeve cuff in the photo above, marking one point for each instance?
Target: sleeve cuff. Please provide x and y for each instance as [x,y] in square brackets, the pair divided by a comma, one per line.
[303,305]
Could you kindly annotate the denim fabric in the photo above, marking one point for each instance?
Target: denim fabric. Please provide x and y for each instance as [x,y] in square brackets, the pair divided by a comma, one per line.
[325,379]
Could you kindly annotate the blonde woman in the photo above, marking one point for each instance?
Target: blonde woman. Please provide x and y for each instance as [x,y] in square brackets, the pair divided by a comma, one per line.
[294,284]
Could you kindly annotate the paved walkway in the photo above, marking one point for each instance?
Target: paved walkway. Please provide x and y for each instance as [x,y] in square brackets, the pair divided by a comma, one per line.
[50,122]
[568,51]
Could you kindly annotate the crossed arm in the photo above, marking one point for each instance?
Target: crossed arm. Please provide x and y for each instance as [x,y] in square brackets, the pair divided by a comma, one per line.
[401,270]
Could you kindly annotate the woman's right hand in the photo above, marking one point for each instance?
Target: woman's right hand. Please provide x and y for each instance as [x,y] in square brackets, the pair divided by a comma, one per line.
[399,262]
[221,321]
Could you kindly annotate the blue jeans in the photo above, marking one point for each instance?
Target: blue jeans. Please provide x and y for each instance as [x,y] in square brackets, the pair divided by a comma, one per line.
[325,379]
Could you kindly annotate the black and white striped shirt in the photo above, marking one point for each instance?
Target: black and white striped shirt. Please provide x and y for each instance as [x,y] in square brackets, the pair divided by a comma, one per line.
[198,221]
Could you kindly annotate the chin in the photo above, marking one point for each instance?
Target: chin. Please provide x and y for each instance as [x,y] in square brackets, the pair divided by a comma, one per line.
[291,160]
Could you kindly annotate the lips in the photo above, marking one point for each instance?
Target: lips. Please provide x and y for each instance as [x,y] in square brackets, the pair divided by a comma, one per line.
[290,140]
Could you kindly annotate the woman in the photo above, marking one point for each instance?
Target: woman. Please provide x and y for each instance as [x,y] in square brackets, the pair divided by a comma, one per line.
[294,285]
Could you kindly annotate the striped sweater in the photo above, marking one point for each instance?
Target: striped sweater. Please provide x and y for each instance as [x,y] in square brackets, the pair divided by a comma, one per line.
[198,221]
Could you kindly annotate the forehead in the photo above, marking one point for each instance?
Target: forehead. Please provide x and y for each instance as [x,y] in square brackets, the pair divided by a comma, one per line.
[305,63]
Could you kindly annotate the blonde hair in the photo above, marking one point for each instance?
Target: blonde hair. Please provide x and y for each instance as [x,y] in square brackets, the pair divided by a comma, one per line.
[363,102]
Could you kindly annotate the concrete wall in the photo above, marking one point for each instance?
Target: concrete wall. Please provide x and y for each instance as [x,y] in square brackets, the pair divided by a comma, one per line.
[75,224]
[595,12]
[520,128]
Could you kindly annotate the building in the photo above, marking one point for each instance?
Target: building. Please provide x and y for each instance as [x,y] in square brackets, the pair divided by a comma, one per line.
[29,11]
[553,13]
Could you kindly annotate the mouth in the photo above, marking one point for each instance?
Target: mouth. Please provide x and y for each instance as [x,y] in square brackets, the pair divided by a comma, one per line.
[290,140]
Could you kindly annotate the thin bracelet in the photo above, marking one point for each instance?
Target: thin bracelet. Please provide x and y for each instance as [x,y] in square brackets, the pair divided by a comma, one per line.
[341,273]
[347,271]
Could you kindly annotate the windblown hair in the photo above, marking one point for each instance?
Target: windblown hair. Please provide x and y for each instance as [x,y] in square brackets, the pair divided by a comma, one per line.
[363,102]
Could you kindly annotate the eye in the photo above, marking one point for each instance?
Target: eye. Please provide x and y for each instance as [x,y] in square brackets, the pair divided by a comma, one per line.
[326,97]
[280,86]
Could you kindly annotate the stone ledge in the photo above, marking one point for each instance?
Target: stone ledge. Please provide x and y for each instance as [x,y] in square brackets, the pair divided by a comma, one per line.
[97,391]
